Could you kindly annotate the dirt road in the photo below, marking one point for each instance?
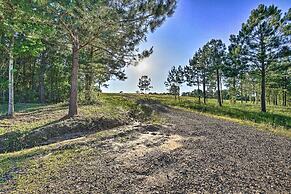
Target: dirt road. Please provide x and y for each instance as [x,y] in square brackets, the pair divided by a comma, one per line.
[190,153]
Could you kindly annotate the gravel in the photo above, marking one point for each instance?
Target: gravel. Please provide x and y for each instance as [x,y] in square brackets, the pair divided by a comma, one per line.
[191,153]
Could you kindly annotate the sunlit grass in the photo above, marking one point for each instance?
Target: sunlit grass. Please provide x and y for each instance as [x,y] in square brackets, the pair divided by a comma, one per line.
[277,119]
[116,106]
[42,161]
[33,126]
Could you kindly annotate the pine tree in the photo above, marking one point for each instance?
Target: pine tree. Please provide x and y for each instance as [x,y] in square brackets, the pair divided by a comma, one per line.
[115,27]
[216,56]
[144,83]
[193,74]
[203,67]
[263,42]
[235,66]
[175,79]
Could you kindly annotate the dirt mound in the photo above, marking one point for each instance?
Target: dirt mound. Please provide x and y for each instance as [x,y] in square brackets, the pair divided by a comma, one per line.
[57,131]
[191,153]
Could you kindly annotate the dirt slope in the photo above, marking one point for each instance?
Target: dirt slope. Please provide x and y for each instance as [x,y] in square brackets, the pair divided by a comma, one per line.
[190,153]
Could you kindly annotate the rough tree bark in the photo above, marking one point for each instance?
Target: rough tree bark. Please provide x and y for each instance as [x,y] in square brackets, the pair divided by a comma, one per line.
[204,88]
[198,84]
[221,92]
[73,106]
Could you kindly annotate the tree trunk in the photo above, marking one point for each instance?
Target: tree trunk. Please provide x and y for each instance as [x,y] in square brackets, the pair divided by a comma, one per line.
[263,89]
[41,80]
[33,77]
[52,85]
[179,93]
[218,88]
[3,100]
[221,91]
[41,88]
[11,82]
[285,92]
[241,91]
[253,98]
[198,84]
[284,98]
[234,90]
[73,106]
[25,89]
[246,98]
[269,98]
[204,89]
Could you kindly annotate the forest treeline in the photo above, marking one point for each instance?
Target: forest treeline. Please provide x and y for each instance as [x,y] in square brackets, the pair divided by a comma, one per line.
[53,50]
[256,66]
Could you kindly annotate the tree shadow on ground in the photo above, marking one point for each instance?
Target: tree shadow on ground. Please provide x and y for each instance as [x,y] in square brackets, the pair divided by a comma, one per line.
[35,111]
[43,109]
[154,105]
[56,131]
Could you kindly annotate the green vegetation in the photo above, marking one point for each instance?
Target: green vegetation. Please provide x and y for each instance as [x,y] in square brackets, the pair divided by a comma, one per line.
[35,125]
[144,84]
[20,107]
[57,55]
[255,67]
[277,119]
[51,158]
[48,124]
[119,107]
[45,43]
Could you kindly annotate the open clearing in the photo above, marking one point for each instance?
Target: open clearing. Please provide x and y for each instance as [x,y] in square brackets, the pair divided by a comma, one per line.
[185,152]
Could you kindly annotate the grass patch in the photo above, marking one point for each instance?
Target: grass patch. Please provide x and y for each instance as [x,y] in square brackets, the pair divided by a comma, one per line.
[39,125]
[20,107]
[37,163]
[277,119]
[33,125]
[49,165]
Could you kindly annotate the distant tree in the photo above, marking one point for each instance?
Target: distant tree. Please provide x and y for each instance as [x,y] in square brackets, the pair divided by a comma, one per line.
[217,56]
[19,38]
[203,62]
[263,42]
[9,13]
[259,56]
[174,90]
[193,74]
[112,27]
[235,66]
[144,83]
[285,59]
[175,79]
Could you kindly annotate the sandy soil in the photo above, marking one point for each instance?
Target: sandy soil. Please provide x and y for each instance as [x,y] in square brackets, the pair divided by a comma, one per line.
[190,153]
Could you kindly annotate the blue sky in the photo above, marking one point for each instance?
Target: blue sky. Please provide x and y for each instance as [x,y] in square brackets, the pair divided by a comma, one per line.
[193,24]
